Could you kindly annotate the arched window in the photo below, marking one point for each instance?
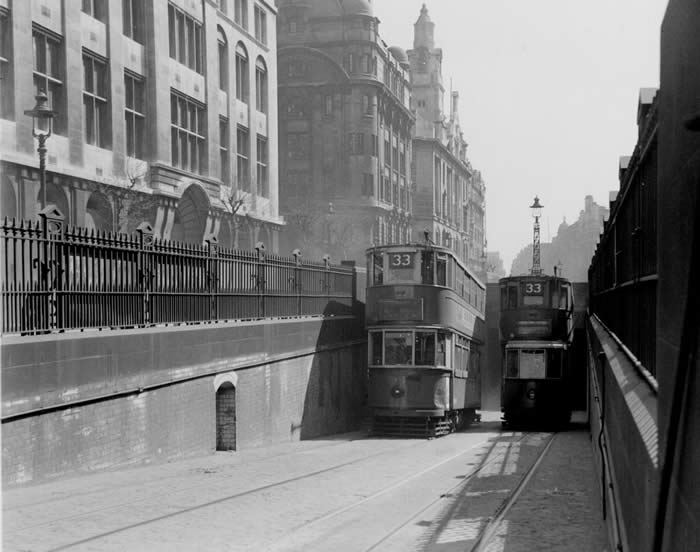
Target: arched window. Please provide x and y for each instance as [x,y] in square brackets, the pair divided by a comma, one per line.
[260,85]
[223,59]
[242,82]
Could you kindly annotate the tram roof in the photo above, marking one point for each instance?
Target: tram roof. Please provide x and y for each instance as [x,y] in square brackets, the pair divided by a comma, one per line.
[425,247]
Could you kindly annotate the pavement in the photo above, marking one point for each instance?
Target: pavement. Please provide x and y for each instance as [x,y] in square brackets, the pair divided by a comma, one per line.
[559,509]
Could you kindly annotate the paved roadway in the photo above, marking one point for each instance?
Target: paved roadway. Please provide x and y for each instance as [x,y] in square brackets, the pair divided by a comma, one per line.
[343,493]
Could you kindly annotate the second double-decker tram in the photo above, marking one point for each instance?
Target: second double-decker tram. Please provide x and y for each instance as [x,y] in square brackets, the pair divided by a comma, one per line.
[425,318]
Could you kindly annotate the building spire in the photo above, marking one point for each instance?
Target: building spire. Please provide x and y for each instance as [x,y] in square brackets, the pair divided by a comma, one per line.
[423,31]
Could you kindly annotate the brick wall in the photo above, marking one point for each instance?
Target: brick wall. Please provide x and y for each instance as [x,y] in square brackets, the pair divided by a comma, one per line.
[296,398]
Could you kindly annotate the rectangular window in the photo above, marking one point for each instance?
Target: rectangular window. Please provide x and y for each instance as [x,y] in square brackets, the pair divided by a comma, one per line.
[368,185]
[398,348]
[425,348]
[185,39]
[98,130]
[134,113]
[328,105]
[240,13]
[262,171]
[260,24]
[96,9]
[48,73]
[223,149]
[366,105]
[6,88]
[260,88]
[188,133]
[242,158]
[132,19]
[241,74]
[357,143]
[376,348]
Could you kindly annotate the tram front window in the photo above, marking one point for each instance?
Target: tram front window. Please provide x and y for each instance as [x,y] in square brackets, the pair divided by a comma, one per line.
[376,346]
[377,269]
[425,348]
[512,364]
[398,348]
[554,363]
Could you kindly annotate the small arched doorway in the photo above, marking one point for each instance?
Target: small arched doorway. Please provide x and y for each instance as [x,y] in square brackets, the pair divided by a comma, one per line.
[226,417]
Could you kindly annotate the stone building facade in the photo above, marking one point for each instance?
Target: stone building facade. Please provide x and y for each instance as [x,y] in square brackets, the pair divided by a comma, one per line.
[167,113]
[345,130]
[450,193]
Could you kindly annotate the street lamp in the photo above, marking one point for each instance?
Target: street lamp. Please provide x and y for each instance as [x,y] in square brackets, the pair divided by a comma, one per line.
[536,214]
[42,125]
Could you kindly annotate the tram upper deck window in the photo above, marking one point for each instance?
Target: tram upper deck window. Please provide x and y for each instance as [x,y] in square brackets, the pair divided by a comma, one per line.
[427,263]
[509,297]
[376,264]
[376,345]
[425,348]
[398,348]
[441,270]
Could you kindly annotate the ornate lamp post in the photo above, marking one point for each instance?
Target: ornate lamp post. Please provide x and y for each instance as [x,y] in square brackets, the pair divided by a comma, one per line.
[42,125]
[536,214]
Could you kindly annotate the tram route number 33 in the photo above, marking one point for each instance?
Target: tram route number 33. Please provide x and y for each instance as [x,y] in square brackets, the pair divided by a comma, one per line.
[402,260]
[533,288]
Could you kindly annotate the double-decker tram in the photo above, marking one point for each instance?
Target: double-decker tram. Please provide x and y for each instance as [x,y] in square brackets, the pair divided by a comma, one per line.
[536,325]
[425,318]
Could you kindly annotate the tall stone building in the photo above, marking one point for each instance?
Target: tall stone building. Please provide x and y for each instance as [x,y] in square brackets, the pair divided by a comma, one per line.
[166,113]
[449,197]
[345,130]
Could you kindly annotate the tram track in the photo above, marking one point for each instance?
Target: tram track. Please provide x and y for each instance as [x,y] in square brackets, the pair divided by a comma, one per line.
[489,530]
[466,479]
[181,511]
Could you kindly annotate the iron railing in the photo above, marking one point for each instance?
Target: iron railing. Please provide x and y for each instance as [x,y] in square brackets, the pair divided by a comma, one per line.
[57,278]
[623,273]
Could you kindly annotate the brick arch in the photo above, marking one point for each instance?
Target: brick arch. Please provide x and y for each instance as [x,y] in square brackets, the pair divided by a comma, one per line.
[225,385]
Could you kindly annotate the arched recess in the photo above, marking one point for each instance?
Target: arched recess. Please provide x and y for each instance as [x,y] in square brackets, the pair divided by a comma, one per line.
[98,214]
[9,200]
[225,385]
[191,216]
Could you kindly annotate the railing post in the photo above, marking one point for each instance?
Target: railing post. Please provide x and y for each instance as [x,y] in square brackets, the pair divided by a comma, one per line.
[145,233]
[327,280]
[212,244]
[297,278]
[52,227]
[260,280]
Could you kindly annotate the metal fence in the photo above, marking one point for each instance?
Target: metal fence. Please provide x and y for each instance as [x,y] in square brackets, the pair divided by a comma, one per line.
[623,272]
[57,278]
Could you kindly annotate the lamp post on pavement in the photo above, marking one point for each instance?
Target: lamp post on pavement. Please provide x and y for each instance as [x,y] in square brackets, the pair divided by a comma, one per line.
[536,214]
[42,125]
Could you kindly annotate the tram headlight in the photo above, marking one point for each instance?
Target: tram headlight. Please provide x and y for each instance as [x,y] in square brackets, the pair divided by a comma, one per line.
[397,392]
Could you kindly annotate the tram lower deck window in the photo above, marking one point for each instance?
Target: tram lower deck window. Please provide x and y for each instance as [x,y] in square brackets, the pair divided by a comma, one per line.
[425,348]
[398,348]
[376,346]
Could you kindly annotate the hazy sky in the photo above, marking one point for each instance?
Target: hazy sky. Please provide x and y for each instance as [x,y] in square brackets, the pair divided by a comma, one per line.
[548,97]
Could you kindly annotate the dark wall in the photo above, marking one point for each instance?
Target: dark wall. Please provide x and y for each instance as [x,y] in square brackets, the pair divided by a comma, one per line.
[77,402]
[677,327]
